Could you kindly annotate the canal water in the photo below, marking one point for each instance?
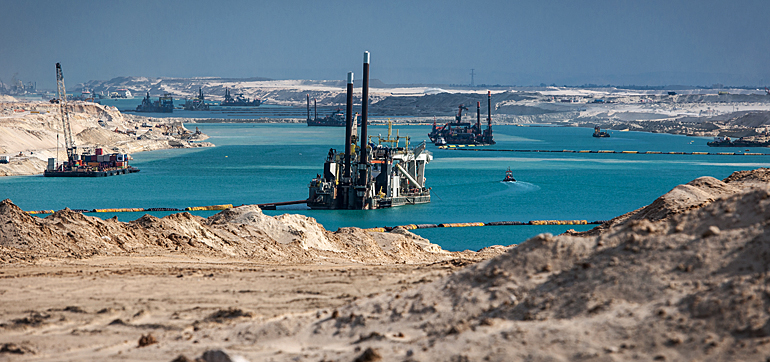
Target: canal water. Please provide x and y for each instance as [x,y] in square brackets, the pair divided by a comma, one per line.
[261,163]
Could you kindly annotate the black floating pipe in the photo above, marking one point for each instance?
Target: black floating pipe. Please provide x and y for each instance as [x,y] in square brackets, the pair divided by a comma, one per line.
[308,108]
[364,117]
[348,125]
[315,108]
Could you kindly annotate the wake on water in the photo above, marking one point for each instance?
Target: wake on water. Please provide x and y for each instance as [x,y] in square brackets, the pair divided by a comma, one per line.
[513,188]
[519,187]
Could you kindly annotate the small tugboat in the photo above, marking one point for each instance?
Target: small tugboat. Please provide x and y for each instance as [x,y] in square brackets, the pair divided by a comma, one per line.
[599,133]
[509,176]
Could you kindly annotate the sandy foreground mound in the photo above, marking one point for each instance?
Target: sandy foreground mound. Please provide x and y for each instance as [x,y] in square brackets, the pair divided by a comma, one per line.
[684,279]
[690,286]
[242,232]
[692,195]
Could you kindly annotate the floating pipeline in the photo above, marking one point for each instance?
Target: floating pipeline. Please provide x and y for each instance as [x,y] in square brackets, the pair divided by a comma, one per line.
[558,222]
[36,212]
[460,224]
[162,209]
[138,209]
[463,148]
[206,208]
[494,223]
[135,209]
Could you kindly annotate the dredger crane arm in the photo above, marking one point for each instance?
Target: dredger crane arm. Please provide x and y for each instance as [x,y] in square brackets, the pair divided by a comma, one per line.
[61,94]
[408,176]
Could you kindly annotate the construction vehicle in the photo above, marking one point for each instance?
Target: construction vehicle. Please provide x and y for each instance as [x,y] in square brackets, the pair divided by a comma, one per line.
[85,165]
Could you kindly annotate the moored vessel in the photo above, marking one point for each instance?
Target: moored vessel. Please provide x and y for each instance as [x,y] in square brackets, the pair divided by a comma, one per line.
[465,133]
[196,104]
[369,176]
[164,104]
[86,165]
[599,133]
[238,101]
[723,141]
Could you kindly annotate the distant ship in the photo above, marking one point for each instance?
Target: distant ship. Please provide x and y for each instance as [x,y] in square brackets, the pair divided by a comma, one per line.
[238,101]
[599,133]
[336,119]
[164,104]
[196,104]
[464,133]
[121,93]
[741,142]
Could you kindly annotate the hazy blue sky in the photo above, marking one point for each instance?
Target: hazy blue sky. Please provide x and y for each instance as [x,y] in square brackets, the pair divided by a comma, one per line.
[508,42]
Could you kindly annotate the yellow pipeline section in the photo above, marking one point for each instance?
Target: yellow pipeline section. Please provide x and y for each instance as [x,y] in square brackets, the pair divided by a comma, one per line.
[136,209]
[141,209]
[460,224]
[558,222]
[40,212]
[212,207]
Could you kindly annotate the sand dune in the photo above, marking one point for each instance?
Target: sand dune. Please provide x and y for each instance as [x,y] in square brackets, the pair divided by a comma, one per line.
[683,279]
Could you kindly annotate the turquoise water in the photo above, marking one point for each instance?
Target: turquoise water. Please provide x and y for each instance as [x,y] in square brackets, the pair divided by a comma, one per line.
[261,163]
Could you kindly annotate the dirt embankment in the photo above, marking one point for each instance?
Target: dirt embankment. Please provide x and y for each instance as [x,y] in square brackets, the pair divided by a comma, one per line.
[31,131]
[243,232]
[683,279]
[690,286]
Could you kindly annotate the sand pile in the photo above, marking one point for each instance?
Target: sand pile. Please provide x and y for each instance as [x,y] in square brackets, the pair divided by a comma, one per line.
[692,195]
[242,232]
[688,286]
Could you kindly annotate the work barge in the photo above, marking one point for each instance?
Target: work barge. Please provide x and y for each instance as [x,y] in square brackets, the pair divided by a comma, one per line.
[465,133]
[367,176]
[86,165]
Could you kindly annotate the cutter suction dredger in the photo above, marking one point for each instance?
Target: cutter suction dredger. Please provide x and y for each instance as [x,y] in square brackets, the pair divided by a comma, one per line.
[369,175]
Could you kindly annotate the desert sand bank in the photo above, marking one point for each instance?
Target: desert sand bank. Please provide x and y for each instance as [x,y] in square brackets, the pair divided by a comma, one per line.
[682,279]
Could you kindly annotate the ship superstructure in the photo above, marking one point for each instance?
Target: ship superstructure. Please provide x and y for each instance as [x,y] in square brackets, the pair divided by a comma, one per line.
[366,175]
